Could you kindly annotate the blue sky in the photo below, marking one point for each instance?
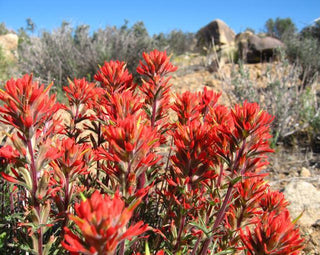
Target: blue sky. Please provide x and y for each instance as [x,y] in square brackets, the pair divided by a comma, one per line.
[158,16]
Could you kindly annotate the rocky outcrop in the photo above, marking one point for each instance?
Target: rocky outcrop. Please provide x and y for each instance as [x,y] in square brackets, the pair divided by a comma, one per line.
[247,46]
[217,32]
[304,198]
[9,45]
[254,48]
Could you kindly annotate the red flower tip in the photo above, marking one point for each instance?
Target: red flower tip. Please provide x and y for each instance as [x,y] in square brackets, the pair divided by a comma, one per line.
[103,224]
[26,104]
[115,77]
[157,64]
[273,234]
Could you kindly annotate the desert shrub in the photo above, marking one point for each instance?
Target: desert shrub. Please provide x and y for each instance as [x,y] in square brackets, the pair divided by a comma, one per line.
[3,29]
[6,67]
[95,179]
[304,51]
[176,42]
[312,31]
[180,42]
[68,53]
[280,91]
[280,28]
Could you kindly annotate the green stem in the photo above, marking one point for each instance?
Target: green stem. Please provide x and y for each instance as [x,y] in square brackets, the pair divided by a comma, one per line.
[34,200]
[182,223]
[122,248]
[219,219]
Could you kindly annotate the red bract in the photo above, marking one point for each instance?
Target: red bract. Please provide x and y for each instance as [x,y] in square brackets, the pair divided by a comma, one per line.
[190,106]
[187,106]
[220,116]
[248,193]
[131,144]
[193,146]
[273,201]
[157,101]
[72,161]
[121,105]
[114,77]
[208,99]
[250,119]
[157,64]
[156,88]
[250,190]
[8,153]
[103,223]
[274,234]
[26,104]
[79,92]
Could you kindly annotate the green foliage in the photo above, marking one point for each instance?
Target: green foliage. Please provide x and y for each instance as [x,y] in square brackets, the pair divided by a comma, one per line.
[312,31]
[69,52]
[3,29]
[176,42]
[305,52]
[249,29]
[280,27]
[301,48]
[281,93]
[180,42]
[11,240]
[5,66]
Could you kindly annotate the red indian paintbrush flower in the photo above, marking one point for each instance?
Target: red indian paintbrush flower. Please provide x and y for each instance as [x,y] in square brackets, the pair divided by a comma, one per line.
[72,161]
[156,87]
[273,201]
[274,234]
[208,99]
[79,92]
[103,223]
[8,153]
[26,104]
[121,105]
[250,119]
[245,206]
[157,63]
[115,77]
[187,106]
[131,144]
[193,146]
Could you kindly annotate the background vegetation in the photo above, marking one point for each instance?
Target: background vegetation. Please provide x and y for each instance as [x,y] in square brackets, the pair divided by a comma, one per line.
[71,52]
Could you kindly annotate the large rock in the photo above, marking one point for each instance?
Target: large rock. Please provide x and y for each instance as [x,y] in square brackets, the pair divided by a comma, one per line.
[303,197]
[9,45]
[218,32]
[254,49]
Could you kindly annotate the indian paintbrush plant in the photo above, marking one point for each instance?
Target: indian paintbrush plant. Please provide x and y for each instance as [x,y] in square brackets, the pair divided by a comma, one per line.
[130,168]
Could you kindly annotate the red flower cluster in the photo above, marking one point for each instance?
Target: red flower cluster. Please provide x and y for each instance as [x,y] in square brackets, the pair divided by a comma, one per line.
[73,159]
[103,222]
[130,148]
[274,234]
[208,194]
[157,65]
[115,77]
[27,105]
[80,92]
[156,88]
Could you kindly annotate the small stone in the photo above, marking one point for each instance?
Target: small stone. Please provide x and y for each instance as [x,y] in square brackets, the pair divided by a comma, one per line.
[305,172]
[303,197]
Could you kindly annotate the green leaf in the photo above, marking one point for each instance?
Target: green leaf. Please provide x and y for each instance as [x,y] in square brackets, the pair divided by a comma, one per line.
[147,250]
[228,251]
[235,180]
[297,218]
